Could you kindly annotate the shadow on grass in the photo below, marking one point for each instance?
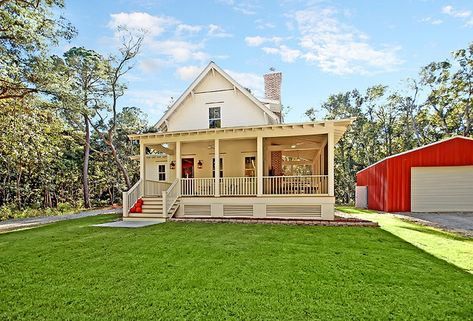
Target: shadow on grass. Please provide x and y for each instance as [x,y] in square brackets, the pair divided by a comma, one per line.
[440,233]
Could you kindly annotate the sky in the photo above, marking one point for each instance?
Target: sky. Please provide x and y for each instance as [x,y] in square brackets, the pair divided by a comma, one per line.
[321,47]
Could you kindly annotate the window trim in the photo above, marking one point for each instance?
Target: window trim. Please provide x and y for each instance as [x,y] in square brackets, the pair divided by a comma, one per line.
[164,172]
[215,119]
[213,167]
[248,169]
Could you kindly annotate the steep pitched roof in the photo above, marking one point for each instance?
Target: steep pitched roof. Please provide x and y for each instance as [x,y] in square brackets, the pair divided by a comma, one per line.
[418,149]
[213,66]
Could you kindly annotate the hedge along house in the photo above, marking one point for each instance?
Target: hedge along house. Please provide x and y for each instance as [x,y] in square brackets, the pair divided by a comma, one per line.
[433,178]
[221,152]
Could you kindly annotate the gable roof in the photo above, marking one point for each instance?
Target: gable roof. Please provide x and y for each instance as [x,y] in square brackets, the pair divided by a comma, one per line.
[213,66]
[417,149]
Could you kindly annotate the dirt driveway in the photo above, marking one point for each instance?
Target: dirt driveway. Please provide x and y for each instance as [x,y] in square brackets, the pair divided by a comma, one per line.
[457,222]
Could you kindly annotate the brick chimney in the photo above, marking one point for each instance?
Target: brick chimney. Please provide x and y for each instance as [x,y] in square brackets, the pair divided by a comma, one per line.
[272,86]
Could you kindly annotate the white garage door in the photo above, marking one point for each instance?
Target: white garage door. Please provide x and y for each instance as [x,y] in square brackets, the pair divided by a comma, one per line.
[442,189]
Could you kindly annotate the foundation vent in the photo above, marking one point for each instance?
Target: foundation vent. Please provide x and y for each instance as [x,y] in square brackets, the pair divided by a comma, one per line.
[237,210]
[197,210]
[311,211]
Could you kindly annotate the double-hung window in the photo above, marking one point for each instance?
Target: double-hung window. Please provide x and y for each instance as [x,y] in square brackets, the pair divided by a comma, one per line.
[250,166]
[221,167]
[161,172]
[215,120]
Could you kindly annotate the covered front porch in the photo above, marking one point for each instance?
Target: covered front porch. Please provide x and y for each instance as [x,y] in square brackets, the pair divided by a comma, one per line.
[259,165]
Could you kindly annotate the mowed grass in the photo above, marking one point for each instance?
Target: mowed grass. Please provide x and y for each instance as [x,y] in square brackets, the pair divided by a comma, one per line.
[448,246]
[71,270]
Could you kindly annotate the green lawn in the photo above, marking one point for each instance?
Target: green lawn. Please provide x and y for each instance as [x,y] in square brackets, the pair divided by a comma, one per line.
[70,270]
[451,247]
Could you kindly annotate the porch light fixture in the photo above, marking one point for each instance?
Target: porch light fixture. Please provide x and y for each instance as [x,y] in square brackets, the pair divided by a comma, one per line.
[293,146]
[199,164]
[172,165]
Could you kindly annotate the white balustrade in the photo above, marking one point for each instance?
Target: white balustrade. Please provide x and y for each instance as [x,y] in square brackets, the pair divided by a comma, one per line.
[295,185]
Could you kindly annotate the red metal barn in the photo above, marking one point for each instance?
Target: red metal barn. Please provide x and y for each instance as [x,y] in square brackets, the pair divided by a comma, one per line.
[433,178]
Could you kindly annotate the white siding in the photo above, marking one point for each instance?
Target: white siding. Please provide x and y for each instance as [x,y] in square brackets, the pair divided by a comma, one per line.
[442,189]
[215,91]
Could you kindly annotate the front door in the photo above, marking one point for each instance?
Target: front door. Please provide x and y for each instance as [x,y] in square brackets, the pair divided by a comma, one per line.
[187,168]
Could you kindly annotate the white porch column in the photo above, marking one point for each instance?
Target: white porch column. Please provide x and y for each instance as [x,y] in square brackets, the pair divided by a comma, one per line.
[142,167]
[331,163]
[178,160]
[217,167]
[259,166]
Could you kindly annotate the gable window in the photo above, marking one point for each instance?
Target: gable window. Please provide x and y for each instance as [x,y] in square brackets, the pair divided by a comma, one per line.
[215,120]
[161,172]
[250,166]
[221,167]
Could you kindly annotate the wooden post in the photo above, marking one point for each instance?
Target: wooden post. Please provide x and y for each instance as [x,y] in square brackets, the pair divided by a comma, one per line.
[142,168]
[331,162]
[217,167]
[125,204]
[259,166]
[165,212]
[178,160]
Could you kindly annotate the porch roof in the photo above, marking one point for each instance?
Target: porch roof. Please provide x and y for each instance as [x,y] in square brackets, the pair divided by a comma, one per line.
[315,127]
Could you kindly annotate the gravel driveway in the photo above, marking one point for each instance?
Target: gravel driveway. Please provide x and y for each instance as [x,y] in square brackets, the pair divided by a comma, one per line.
[457,222]
[20,223]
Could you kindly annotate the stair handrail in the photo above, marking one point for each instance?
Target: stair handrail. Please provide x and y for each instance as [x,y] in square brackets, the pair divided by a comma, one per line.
[171,195]
[131,196]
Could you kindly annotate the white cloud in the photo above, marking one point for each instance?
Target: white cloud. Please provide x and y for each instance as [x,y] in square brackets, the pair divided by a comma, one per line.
[151,65]
[179,51]
[465,15]
[287,54]
[249,80]
[336,47]
[246,7]
[153,25]
[432,21]
[258,40]
[154,102]
[262,24]
[456,13]
[217,31]
[185,28]
[188,72]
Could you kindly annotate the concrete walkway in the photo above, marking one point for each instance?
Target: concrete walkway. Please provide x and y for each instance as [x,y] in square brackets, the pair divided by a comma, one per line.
[21,223]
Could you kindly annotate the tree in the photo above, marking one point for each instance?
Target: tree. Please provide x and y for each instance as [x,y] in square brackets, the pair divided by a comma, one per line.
[87,71]
[107,129]
[27,30]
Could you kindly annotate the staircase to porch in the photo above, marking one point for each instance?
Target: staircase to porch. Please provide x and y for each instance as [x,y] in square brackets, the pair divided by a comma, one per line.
[153,208]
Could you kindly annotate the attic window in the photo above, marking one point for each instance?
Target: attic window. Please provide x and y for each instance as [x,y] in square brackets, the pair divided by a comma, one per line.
[215,120]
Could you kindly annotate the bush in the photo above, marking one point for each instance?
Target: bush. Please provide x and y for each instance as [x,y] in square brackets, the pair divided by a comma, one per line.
[9,212]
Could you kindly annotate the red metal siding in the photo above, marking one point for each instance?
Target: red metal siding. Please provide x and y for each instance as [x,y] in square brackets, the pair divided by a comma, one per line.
[389,181]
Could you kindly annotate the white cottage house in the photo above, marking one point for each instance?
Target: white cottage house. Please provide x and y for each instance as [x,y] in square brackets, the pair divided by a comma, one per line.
[220,152]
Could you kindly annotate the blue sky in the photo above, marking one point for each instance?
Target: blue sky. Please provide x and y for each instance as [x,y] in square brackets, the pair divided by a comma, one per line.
[321,47]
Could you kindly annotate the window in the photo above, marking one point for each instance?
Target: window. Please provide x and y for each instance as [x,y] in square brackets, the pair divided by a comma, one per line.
[161,172]
[215,120]
[250,166]
[221,167]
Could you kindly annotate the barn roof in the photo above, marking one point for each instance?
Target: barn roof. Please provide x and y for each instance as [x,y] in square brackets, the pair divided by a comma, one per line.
[417,150]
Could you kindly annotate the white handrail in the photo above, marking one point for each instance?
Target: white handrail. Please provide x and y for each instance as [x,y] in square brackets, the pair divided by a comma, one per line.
[238,186]
[154,187]
[198,186]
[131,196]
[170,196]
[295,185]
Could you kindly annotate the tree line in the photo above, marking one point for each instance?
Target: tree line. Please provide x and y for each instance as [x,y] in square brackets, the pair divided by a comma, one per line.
[63,137]
[437,104]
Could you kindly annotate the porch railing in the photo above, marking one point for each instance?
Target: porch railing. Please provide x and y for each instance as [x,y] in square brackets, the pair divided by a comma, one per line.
[295,185]
[170,196]
[197,186]
[153,187]
[238,186]
[131,196]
